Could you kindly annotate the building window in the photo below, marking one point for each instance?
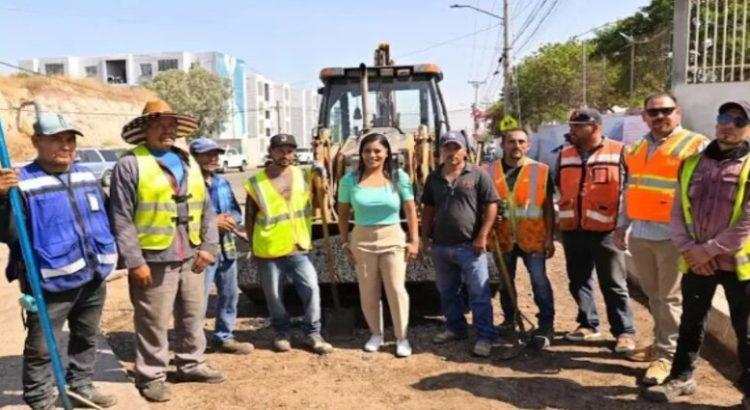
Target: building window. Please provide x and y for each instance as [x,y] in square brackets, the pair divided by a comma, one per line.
[267,92]
[195,64]
[147,70]
[168,64]
[268,132]
[268,114]
[54,69]
[91,71]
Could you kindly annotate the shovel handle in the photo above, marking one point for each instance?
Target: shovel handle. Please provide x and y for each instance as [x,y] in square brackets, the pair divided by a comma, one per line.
[332,272]
[505,275]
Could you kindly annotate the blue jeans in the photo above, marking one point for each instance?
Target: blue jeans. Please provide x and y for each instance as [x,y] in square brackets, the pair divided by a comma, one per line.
[223,273]
[301,272]
[459,264]
[536,265]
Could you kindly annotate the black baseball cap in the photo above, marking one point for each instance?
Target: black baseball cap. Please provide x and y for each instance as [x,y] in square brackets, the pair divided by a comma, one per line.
[279,140]
[742,105]
[585,116]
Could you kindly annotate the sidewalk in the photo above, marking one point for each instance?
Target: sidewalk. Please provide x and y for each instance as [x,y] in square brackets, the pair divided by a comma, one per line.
[110,374]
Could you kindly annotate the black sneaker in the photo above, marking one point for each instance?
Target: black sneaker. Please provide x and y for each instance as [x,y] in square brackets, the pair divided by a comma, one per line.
[506,329]
[93,395]
[155,391]
[670,390]
[541,339]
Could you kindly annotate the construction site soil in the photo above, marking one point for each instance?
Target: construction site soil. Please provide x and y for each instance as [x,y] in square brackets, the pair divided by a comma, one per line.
[567,376]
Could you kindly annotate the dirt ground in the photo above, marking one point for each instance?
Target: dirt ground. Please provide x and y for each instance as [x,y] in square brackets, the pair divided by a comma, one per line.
[568,376]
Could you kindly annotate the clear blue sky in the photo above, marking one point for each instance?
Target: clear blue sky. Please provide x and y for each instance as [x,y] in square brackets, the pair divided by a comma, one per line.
[291,40]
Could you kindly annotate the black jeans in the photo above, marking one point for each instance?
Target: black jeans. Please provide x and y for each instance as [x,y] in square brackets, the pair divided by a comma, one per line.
[697,293]
[82,308]
[583,251]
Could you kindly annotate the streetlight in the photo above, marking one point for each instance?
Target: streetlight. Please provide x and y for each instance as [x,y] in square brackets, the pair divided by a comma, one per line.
[507,67]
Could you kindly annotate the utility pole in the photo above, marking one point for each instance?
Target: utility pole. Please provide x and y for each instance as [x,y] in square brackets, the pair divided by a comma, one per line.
[474,107]
[632,69]
[278,117]
[583,53]
[507,67]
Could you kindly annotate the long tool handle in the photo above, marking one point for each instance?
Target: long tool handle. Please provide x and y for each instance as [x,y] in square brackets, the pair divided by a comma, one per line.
[508,282]
[32,274]
[332,272]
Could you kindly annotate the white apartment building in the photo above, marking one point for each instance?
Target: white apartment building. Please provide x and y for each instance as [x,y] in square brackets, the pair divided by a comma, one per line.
[275,107]
[134,69]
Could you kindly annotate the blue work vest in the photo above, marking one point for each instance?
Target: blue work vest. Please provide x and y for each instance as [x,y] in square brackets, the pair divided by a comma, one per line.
[68,225]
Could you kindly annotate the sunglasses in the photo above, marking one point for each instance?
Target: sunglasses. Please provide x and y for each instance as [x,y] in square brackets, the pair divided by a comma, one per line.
[739,122]
[665,111]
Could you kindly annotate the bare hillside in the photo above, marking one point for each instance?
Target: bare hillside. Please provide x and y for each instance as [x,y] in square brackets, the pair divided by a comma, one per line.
[99,110]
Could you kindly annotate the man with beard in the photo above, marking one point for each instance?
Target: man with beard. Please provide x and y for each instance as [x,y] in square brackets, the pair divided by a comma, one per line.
[525,229]
[165,230]
[278,220]
[460,206]
[710,227]
[647,209]
[590,177]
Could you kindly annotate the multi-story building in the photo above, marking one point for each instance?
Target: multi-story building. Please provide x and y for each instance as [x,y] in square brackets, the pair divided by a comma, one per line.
[275,107]
[135,69]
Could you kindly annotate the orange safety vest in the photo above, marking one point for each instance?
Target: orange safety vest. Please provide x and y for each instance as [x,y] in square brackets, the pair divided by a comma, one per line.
[652,178]
[523,216]
[590,192]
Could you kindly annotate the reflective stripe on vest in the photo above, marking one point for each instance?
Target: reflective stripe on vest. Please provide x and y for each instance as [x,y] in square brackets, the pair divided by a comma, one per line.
[156,209]
[523,222]
[69,226]
[281,226]
[590,192]
[652,177]
[742,257]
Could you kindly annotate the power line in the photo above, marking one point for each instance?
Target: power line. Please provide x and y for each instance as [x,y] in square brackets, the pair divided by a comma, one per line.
[539,25]
[453,40]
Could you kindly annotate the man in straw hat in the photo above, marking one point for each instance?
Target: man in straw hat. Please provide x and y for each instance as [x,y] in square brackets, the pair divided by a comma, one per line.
[165,230]
[75,251]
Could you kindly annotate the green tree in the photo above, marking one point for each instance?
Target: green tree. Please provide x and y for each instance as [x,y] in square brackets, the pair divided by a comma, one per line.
[199,93]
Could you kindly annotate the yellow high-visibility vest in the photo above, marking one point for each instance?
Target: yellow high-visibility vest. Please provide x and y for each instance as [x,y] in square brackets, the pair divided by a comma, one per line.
[742,257]
[156,209]
[281,226]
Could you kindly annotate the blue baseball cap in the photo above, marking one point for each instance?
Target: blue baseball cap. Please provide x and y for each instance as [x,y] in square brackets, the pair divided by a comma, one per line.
[202,145]
[455,137]
[49,123]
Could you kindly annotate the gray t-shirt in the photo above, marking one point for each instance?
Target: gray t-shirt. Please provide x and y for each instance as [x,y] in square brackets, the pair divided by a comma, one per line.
[458,206]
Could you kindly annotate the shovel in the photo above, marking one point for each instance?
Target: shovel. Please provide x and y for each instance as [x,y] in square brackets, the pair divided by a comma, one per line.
[339,321]
[519,342]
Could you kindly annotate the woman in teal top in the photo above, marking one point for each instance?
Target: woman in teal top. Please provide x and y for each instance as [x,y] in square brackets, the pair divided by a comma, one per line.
[377,246]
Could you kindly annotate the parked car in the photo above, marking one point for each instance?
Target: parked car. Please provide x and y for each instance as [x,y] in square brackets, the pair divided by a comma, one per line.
[304,155]
[232,159]
[100,161]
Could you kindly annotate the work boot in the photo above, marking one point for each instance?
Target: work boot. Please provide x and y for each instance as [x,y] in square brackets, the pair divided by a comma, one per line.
[447,336]
[507,329]
[94,395]
[625,343]
[318,345]
[482,348]
[670,390]
[374,343]
[657,372]
[644,354]
[583,334]
[47,403]
[232,346]
[155,391]
[201,374]
[541,339]
[281,343]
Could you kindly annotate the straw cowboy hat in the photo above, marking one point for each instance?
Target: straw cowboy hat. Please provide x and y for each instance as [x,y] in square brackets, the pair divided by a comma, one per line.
[134,131]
